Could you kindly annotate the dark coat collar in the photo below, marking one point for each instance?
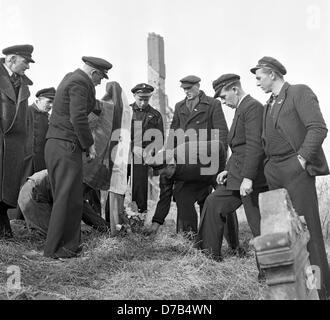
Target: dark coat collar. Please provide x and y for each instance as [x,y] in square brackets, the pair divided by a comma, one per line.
[202,99]
[8,89]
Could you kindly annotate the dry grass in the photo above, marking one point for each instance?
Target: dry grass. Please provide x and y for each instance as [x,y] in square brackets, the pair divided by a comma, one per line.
[135,267]
[130,267]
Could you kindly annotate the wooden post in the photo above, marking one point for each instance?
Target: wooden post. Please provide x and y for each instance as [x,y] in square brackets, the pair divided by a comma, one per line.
[282,249]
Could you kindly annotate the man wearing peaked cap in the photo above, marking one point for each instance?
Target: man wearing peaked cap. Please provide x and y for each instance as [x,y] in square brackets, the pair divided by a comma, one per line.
[100,64]
[242,180]
[25,51]
[14,83]
[37,126]
[293,133]
[197,111]
[48,93]
[68,138]
[143,90]
[145,118]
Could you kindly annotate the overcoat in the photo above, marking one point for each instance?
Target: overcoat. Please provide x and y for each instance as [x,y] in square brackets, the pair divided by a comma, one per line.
[12,135]
[208,114]
[37,126]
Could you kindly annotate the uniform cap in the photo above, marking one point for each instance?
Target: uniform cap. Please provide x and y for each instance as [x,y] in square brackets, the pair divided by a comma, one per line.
[24,50]
[97,63]
[47,93]
[143,90]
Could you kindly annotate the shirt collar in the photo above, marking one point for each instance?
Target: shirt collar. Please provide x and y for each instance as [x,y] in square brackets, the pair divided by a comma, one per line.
[135,107]
[8,70]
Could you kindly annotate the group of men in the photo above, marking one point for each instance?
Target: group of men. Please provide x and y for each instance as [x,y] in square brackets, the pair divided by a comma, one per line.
[276,146]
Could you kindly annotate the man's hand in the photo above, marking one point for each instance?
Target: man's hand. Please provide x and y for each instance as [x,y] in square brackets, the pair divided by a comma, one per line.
[222,177]
[302,161]
[91,153]
[246,187]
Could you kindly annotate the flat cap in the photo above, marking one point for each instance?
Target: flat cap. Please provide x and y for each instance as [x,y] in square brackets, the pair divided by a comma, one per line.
[143,90]
[99,64]
[269,62]
[23,50]
[47,93]
[189,81]
[223,81]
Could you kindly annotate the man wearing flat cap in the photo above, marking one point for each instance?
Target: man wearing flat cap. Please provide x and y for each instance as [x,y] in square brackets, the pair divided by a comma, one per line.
[14,94]
[37,126]
[68,137]
[243,178]
[197,111]
[145,119]
[293,133]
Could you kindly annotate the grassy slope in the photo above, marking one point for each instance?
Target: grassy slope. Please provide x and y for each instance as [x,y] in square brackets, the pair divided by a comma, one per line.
[131,267]
[128,267]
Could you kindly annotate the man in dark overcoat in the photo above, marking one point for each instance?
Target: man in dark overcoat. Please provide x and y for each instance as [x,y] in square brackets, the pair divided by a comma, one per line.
[243,178]
[14,94]
[68,137]
[37,126]
[145,118]
[196,118]
[293,133]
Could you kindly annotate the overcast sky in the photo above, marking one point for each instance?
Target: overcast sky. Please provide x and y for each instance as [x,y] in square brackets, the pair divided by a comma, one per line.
[202,37]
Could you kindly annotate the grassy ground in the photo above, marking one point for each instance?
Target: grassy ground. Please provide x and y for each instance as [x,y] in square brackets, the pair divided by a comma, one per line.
[132,267]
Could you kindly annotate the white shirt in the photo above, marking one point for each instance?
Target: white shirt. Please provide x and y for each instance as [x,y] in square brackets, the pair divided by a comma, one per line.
[9,71]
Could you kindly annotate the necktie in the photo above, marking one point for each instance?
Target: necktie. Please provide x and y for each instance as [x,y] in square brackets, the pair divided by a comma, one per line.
[271,102]
[15,80]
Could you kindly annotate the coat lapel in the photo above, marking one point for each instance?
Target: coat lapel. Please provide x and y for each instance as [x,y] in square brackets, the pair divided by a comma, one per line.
[279,102]
[200,108]
[238,111]
[23,95]
[5,85]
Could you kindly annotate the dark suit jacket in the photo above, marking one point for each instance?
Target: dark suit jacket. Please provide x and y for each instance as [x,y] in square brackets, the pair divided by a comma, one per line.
[244,140]
[207,114]
[74,100]
[37,126]
[298,117]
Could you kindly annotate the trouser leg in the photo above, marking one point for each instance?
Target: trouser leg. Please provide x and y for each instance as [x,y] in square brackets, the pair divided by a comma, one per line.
[64,164]
[5,228]
[165,198]
[140,186]
[186,213]
[231,230]
[217,207]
